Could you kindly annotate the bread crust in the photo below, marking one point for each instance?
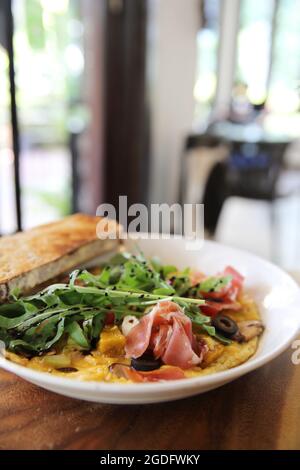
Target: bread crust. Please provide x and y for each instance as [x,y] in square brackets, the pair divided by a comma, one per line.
[37,255]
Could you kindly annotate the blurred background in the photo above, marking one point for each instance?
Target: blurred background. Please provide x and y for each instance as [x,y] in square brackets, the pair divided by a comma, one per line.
[160,100]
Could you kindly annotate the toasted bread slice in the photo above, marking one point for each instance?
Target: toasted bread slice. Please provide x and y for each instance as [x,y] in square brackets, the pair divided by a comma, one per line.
[30,258]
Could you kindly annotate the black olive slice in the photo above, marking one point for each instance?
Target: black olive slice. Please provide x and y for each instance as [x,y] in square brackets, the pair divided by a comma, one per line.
[145,363]
[225,325]
[67,369]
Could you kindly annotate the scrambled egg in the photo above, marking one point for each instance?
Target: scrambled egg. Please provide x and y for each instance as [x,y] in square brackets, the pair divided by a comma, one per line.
[110,349]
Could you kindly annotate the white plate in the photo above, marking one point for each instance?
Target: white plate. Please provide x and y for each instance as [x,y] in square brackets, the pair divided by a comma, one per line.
[276,294]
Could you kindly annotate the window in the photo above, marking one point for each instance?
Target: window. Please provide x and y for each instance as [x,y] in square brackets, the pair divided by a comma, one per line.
[254,48]
[207,60]
[284,96]
[49,65]
[266,53]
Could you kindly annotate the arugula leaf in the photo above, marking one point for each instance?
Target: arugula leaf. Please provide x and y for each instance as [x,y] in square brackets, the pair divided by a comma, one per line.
[77,335]
[209,329]
[132,273]
[76,311]
[214,284]
[164,291]
[181,282]
[15,293]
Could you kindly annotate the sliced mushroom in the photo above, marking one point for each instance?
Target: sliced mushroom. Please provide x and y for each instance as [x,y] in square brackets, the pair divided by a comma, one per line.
[128,323]
[248,330]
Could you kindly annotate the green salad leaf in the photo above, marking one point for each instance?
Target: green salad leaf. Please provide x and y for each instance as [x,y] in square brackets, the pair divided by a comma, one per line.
[76,312]
[214,284]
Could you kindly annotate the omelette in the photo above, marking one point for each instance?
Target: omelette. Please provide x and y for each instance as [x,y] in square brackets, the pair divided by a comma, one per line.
[110,349]
[129,319]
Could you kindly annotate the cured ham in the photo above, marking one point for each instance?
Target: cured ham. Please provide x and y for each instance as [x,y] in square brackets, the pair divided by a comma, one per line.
[212,308]
[164,373]
[225,298]
[167,332]
[196,277]
[237,278]
[236,283]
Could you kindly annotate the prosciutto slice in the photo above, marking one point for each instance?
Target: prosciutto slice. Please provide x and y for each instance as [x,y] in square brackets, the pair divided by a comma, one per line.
[226,298]
[237,278]
[165,373]
[211,308]
[167,332]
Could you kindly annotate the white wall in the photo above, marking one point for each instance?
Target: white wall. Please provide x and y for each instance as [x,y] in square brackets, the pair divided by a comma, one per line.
[172,65]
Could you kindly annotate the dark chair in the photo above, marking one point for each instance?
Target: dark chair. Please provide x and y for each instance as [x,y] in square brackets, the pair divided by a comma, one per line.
[207,150]
[252,171]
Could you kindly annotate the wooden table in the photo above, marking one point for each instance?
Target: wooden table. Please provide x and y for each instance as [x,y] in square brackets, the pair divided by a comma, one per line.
[258,411]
